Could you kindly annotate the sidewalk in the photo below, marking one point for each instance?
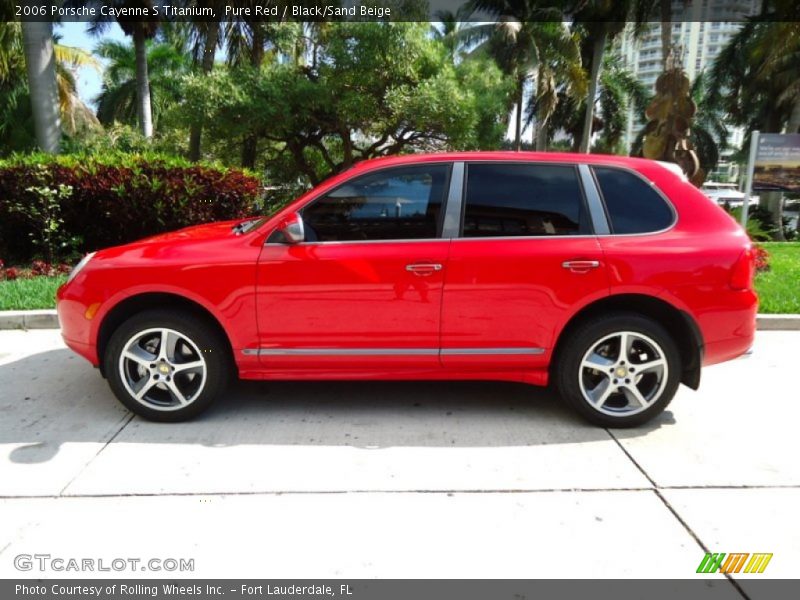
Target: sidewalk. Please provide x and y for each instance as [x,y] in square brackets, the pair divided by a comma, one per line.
[399,479]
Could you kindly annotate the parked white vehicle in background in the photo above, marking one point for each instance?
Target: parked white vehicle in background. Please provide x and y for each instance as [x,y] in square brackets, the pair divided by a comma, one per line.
[725,193]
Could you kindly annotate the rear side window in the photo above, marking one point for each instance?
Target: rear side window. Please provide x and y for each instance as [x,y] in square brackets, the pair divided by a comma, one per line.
[523,200]
[633,206]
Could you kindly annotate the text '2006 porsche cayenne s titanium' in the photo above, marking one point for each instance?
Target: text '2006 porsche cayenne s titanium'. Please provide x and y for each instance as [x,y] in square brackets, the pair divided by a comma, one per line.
[612,279]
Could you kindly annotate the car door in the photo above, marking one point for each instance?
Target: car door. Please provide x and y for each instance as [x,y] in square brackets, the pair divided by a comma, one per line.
[364,290]
[526,254]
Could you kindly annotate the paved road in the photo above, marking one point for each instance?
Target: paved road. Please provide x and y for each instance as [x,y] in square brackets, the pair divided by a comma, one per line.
[400,479]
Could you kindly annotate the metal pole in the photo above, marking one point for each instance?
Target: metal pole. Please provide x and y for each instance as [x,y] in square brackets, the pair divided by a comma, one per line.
[748,186]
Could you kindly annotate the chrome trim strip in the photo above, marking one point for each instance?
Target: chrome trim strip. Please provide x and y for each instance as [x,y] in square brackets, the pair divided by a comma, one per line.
[389,351]
[346,351]
[597,213]
[451,226]
[490,351]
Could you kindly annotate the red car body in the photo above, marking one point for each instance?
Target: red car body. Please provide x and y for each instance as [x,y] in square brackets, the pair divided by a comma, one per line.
[354,310]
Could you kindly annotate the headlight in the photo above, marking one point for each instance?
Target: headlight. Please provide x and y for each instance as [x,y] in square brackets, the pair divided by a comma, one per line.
[77,268]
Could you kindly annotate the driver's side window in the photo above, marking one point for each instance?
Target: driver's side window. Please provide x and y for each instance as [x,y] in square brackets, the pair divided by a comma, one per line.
[394,204]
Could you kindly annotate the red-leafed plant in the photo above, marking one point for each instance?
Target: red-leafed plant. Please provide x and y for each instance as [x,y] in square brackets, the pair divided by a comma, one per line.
[112,200]
[760,258]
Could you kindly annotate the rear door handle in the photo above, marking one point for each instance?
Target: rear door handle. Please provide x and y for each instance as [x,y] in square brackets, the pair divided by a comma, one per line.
[580,265]
[423,268]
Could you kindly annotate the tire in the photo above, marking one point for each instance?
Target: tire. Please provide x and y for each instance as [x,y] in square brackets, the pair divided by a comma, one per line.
[591,356]
[177,384]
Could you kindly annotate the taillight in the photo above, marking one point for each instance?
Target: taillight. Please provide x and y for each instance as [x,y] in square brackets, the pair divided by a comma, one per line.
[742,272]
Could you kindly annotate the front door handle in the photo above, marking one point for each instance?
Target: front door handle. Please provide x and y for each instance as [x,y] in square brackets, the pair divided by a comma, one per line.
[423,268]
[580,266]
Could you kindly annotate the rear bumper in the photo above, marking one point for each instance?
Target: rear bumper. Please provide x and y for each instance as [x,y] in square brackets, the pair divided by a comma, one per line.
[729,328]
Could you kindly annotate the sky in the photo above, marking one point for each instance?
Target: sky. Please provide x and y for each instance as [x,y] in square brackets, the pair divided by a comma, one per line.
[74,34]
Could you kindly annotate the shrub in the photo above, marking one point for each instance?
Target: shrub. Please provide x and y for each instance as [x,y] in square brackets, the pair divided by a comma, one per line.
[761,259]
[114,199]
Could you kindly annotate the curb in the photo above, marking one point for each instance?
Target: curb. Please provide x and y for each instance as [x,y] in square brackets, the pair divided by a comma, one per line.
[28,319]
[778,322]
[48,319]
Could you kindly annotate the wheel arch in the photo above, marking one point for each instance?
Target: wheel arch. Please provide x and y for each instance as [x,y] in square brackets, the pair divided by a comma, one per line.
[132,305]
[680,324]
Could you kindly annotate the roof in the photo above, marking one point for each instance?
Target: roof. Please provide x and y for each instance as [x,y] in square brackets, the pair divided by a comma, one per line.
[507,155]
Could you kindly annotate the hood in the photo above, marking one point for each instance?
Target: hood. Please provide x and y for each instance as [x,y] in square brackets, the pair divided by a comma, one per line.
[206,231]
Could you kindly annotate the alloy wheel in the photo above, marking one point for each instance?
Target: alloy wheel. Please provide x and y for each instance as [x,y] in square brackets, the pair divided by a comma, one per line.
[623,373]
[162,369]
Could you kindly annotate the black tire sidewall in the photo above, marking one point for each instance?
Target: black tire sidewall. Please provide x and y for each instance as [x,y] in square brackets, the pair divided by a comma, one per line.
[206,338]
[589,333]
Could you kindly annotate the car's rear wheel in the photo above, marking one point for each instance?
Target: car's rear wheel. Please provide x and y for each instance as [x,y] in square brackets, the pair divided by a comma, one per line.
[619,370]
[166,365]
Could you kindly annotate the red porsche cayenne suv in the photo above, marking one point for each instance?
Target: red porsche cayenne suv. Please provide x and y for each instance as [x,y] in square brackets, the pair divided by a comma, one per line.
[612,279]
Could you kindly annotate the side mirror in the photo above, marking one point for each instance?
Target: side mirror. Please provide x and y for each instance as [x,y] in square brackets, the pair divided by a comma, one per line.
[292,229]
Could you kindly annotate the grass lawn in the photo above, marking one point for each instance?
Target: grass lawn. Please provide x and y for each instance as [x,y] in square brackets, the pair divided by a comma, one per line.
[779,288]
[26,294]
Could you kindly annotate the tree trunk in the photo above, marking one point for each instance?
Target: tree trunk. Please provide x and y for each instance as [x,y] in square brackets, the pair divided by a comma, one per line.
[541,136]
[773,202]
[518,121]
[195,135]
[250,143]
[793,126]
[144,110]
[41,66]
[666,34]
[594,82]
[540,133]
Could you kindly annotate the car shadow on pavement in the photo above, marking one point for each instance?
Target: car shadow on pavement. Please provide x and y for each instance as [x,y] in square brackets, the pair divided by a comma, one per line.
[52,398]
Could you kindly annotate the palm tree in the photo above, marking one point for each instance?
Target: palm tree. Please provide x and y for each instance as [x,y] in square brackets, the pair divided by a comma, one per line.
[523,41]
[618,89]
[709,132]
[118,98]
[141,31]
[754,79]
[449,26]
[600,22]
[16,129]
[41,66]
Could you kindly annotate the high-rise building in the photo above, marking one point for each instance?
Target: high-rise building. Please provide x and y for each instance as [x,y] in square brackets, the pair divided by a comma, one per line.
[700,29]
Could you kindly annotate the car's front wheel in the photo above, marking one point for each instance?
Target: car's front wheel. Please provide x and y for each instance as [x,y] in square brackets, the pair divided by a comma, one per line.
[166,365]
[620,370]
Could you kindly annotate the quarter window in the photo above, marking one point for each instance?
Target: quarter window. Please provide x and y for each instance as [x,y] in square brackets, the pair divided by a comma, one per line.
[633,206]
[523,200]
[394,204]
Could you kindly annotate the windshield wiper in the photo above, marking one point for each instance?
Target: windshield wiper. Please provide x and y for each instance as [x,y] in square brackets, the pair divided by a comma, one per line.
[244,226]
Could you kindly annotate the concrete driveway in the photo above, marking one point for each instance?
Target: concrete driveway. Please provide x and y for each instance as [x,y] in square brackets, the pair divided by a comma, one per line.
[400,479]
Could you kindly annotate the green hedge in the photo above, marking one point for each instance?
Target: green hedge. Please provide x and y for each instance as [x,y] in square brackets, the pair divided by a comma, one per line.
[116,198]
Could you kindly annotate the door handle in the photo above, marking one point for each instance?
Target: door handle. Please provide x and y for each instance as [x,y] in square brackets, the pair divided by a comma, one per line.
[423,268]
[580,265]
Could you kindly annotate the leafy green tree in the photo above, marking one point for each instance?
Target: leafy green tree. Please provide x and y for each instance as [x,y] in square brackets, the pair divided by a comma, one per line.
[118,98]
[375,89]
